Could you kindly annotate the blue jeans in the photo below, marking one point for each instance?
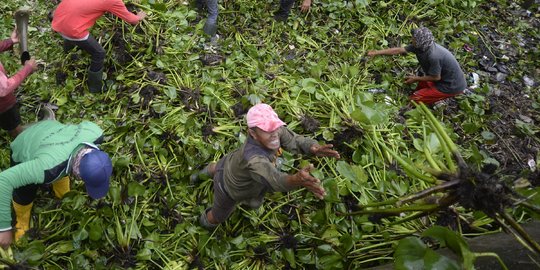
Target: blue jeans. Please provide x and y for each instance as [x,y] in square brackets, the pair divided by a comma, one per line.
[213,11]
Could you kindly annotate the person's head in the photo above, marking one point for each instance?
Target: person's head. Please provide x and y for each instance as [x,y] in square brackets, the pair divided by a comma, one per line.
[95,169]
[263,125]
[422,38]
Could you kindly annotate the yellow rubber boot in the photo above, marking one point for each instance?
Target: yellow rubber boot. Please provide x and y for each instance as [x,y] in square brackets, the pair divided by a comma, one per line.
[61,187]
[23,219]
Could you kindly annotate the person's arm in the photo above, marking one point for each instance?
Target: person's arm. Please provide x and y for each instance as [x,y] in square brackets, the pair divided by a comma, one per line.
[264,172]
[306,5]
[8,85]
[119,9]
[295,143]
[5,238]
[31,172]
[6,44]
[433,73]
[389,51]
[14,36]
[303,179]
[430,78]
[324,150]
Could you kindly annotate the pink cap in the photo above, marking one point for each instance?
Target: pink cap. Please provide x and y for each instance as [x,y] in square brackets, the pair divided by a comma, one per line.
[263,117]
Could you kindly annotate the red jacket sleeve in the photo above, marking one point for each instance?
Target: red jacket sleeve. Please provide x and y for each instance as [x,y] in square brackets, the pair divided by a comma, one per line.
[6,44]
[119,9]
[8,85]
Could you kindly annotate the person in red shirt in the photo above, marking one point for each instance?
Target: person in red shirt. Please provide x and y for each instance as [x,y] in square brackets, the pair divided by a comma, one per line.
[72,19]
[10,119]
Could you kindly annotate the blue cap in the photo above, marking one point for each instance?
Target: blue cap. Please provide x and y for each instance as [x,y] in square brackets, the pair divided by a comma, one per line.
[95,170]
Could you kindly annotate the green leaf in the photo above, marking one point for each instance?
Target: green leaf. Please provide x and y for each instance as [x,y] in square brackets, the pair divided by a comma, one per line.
[144,255]
[418,144]
[433,143]
[114,192]
[433,260]
[369,113]
[333,261]
[33,252]
[135,189]
[170,91]
[288,253]
[347,242]
[95,230]
[62,247]
[409,254]
[453,241]
[354,173]
[80,235]
[328,135]
[332,191]
[159,64]
[325,249]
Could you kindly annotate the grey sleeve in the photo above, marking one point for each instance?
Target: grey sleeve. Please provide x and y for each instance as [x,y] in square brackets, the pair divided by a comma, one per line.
[295,143]
[264,172]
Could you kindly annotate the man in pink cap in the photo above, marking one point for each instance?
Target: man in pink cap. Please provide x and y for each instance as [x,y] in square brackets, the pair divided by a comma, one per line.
[245,175]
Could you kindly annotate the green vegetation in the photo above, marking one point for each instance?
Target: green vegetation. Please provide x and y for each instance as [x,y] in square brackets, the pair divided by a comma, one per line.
[176,102]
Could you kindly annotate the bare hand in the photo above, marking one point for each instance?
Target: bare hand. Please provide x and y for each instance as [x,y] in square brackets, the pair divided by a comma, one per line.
[5,239]
[306,5]
[324,150]
[371,53]
[410,79]
[303,178]
[15,36]
[141,15]
[32,63]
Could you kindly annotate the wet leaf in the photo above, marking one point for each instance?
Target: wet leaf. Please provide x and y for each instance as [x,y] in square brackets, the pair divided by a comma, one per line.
[135,189]
[332,191]
[289,255]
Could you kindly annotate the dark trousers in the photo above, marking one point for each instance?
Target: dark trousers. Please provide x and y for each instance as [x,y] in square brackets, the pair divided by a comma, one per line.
[91,46]
[11,118]
[223,205]
[25,194]
[285,7]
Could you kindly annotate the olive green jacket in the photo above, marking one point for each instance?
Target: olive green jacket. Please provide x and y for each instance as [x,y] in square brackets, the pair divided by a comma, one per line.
[250,172]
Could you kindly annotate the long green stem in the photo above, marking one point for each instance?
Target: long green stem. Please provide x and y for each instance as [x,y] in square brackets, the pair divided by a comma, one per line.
[530,206]
[521,232]
[439,131]
[491,254]
[424,193]
[406,165]
[396,211]
[387,202]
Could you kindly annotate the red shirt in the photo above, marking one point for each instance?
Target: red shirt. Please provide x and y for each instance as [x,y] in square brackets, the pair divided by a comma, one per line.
[8,85]
[73,18]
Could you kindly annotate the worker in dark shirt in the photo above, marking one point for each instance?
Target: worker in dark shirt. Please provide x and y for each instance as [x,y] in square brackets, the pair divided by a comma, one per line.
[443,77]
[245,175]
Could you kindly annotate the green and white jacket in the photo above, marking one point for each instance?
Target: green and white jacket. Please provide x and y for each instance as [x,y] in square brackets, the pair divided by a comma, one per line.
[41,155]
